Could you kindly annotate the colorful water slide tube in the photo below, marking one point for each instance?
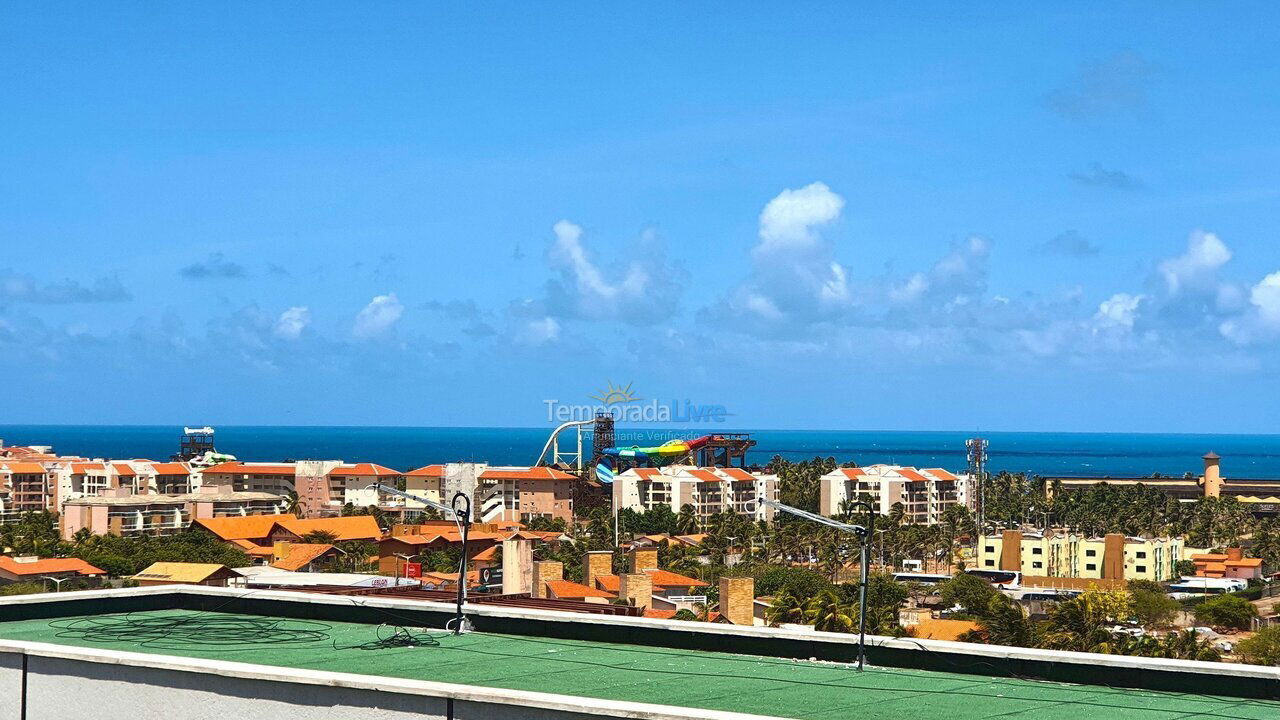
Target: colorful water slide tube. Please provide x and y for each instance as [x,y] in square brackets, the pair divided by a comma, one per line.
[669,450]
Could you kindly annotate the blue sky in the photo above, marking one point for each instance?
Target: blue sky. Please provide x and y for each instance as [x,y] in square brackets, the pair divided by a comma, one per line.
[817,215]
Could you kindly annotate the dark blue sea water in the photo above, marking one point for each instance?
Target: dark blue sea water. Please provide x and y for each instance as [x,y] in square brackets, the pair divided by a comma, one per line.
[403,448]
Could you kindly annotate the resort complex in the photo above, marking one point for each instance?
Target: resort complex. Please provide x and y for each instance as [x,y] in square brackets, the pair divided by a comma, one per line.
[683,552]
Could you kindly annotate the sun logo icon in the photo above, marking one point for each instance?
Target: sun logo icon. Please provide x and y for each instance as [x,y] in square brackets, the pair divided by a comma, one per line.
[616,395]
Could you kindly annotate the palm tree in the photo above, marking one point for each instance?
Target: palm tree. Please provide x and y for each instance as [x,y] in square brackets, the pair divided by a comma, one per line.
[320,537]
[786,608]
[686,520]
[828,613]
[292,506]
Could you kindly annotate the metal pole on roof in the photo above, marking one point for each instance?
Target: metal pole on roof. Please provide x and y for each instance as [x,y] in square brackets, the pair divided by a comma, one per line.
[463,517]
[865,534]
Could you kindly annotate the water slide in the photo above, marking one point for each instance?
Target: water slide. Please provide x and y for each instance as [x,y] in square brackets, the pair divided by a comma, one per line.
[666,452]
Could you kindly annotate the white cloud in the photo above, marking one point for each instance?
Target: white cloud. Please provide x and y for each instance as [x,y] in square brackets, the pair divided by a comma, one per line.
[1196,267]
[1261,321]
[1265,296]
[795,278]
[378,316]
[645,289]
[292,322]
[1118,311]
[789,220]
[540,331]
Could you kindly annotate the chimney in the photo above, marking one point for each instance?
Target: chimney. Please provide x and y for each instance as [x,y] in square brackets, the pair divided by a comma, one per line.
[1011,550]
[1235,553]
[1113,556]
[737,600]
[594,564]
[1212,475]
[281,549]
[643,558]
[638,588]
[545,571]
[517,566]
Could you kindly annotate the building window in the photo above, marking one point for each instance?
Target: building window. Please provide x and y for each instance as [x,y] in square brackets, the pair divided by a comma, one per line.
[1037,565]
[1090,553]
[991,548]
[1090,566]
[1140,554]
[988,563]
[1037,551]
[1141,568]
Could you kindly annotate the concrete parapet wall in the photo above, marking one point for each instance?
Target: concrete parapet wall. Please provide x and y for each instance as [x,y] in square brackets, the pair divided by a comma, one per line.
[981,660]
[52,682]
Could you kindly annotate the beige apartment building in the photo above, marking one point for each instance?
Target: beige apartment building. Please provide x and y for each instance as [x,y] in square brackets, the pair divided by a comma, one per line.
[709,490]
[1063,554]
[322,486]
[923,493]
[500,493]
[119,512]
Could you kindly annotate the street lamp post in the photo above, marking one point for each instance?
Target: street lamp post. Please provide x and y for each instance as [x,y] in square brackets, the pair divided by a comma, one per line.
[57,582]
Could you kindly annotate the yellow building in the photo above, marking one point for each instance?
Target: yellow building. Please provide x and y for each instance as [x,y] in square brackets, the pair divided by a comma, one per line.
[1068,555]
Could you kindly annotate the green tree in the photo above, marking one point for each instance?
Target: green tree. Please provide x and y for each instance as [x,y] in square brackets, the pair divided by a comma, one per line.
[1228,611]
[1153,608]
[1261,649]
[969,592]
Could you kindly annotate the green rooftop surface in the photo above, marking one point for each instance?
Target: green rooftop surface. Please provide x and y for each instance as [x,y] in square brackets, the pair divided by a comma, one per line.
[719,681]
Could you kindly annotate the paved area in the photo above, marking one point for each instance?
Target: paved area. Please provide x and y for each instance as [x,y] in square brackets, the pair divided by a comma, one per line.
[722,681]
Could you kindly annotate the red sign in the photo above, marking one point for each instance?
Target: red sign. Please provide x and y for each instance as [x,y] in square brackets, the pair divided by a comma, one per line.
[413,570]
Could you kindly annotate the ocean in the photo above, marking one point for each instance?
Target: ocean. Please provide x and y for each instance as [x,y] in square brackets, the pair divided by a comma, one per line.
[408,447]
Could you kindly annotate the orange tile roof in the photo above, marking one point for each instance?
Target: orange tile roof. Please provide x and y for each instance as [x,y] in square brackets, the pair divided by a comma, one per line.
[1209,557]
[532,473]
[660,614]
[912,475]
[1216,567]
[252,549]
[1245,562]
[939,629]
[363,470]
[446,536]
[612,583]
[83,468]
[353,527]
[300,555]
[705,475]
[648,473]
[260,527]
[171,468]
[48,566]
[738,474]
[853,473]
[251,527]
[486,555]
[122,469]
[565,589]
[240,468]
[22,468]
[941,474]
[499,473]
[662,578]
[433,471]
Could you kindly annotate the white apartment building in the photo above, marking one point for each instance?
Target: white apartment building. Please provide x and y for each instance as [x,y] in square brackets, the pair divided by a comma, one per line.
[708,490]
[924,493]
